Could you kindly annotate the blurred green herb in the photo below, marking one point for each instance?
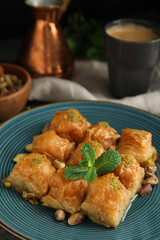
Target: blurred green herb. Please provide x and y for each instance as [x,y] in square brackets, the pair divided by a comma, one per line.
[85,38]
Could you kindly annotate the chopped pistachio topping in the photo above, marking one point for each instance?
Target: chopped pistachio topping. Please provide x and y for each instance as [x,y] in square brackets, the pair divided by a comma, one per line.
[110,195]
[116,185]
[95,144]
[75,116]
[36,161]
[128,161]
[104,124]
[140,134]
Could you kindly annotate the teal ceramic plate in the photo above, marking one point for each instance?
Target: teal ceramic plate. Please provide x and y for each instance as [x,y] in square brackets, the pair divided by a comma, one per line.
[38,222]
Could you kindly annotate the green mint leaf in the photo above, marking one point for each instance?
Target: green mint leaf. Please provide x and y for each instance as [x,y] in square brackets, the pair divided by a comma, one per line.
[107,162]
[83,163]
[88,154]
[75,172]
[91,175]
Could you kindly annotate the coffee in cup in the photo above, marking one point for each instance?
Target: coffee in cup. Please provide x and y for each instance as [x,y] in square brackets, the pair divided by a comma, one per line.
[132,51]
[132,32]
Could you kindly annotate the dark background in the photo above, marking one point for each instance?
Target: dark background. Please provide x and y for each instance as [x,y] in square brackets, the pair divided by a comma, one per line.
[14,15]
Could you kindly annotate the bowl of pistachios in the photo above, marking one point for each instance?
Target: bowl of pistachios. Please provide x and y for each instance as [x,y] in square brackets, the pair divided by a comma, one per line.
[15,85]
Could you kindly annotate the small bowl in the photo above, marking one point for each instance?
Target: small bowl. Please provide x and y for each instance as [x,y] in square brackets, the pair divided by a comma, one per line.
[12,104]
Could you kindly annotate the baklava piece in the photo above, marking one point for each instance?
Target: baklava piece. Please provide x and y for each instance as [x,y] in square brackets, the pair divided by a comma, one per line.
[64,193]
[106,201]
[139,143]
[53,146]
[104,134]
[31,176]
[130,173]
[70,124]
[76,156]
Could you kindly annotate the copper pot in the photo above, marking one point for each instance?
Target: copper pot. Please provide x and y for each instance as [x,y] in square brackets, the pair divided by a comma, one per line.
[44,51]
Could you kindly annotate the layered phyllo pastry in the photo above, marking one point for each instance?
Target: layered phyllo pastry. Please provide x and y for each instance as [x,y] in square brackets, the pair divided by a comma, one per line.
[53,146]
[130,173]
[31,175]
[106,201]
[139,143]
[64,193]
[70,124]
[102,133]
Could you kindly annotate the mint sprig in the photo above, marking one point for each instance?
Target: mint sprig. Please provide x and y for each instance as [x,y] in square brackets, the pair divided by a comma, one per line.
[89,168]
[88,154]
[91,174]
[75,172]
[107,162]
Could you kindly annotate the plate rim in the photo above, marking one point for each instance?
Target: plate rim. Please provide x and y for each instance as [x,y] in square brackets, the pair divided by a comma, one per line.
[79,101]
[13,231]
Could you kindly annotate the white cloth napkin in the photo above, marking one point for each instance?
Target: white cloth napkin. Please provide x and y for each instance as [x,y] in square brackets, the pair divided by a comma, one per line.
[90,82]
